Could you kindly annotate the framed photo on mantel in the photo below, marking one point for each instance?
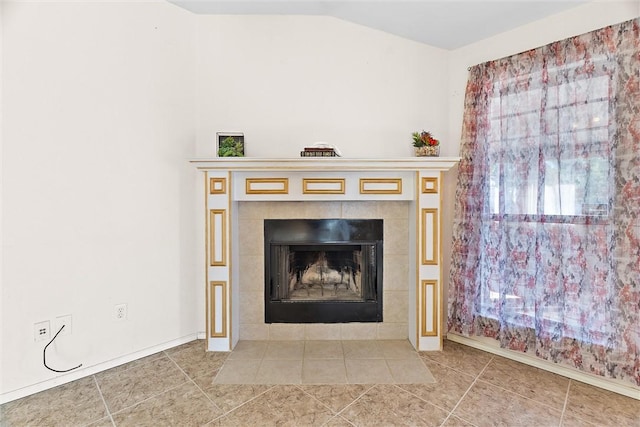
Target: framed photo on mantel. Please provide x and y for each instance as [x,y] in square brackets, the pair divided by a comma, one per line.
[230,144]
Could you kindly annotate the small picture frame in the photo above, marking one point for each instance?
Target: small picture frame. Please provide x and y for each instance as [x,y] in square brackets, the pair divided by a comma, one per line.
[230,144]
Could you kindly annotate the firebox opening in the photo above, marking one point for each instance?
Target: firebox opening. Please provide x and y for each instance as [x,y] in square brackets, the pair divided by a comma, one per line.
[323,271]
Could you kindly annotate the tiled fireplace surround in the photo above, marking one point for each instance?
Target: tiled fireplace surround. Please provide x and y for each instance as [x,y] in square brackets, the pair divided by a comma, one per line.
[395,269]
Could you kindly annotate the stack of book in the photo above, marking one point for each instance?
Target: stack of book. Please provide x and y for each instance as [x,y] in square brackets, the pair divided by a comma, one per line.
[318,152]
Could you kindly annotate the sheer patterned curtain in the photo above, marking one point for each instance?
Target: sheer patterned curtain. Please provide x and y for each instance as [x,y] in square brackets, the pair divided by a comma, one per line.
[546,248]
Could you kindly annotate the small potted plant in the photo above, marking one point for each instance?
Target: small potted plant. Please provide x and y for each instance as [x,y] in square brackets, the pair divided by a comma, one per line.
[231,147]
[425,144]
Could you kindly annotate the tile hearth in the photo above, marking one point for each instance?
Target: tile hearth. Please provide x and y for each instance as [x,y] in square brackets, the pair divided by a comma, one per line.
[176,387]
[324,362]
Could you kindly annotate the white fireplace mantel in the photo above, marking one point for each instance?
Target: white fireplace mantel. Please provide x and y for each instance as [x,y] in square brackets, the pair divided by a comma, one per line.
[328,163]
[417,180]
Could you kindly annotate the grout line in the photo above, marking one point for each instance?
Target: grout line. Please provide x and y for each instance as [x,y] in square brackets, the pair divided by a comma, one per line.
[367,390]
[103,400]
[300,387]
[151,397]
[566,401]
[340,418]
[467,391]
[269,388]
[421,398]
[224,413]
[161,392]
[196,384]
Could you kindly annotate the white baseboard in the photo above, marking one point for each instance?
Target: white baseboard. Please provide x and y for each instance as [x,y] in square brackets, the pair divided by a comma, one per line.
[607,384]
[90,370]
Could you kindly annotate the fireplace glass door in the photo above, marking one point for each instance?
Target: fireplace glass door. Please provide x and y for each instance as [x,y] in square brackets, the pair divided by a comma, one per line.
[323,271]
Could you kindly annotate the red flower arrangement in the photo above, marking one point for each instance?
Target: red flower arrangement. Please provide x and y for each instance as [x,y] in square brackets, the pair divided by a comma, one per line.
[423,139]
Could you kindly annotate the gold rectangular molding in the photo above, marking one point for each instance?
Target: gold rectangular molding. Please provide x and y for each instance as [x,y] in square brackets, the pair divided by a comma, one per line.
[323,185]
[429,185]
[267,186]
[429,293]
[217,237]
[429,237]
[217,185]
[218,303]
[380,185]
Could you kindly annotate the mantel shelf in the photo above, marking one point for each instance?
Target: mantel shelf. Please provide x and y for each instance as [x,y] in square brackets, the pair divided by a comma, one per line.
[325,164]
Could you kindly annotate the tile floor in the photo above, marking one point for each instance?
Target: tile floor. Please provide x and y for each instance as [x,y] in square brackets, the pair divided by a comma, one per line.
[180,387]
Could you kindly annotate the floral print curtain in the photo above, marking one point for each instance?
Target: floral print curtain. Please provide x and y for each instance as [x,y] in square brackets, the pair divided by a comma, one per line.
[546,246]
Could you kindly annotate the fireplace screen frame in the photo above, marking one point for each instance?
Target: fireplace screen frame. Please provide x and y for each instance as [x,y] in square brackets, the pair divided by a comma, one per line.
[323,234]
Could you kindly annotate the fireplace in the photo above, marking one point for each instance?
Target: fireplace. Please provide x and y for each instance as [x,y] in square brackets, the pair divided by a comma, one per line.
[240,194]
[323,270]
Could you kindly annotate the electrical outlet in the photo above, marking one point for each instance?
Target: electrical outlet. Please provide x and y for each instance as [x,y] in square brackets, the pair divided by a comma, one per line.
[63,321]
[121,311]
[41,331]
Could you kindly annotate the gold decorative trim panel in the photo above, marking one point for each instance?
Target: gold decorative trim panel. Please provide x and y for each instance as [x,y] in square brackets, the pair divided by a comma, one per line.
[267,186]
[323,185]
[380,185]
[218,304]
[429,185]
[217,185]
[429,238]
[217,237]
[429,301]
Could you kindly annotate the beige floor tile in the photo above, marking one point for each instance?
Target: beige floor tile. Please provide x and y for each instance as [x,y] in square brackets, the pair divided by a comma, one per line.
[528,381]
[75,403]
[324,371]
[569,420]
[279,372]
[284,350]
[229,396]
[362,350]
[195,343]
[184,405]
[398,349]
[195,361]
[103,422]
[448,389]
[154,391]
[284,405]
[368,371]
[127,388]
[132,364]
[336,396]
[238,371]
[323,350]
[338,421]
[460,357]
[486,404]
[409,371]
[388,405]
[454,421]
[249,350]
[601,407]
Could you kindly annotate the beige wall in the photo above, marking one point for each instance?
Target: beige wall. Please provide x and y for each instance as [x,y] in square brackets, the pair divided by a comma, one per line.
[98,200]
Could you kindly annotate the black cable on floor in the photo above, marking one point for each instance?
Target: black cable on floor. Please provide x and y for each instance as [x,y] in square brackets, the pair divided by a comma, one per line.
[44,354]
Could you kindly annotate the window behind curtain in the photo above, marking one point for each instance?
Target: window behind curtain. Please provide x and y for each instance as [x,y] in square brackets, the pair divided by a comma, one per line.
[548,162]
[546,234]
[555,125]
